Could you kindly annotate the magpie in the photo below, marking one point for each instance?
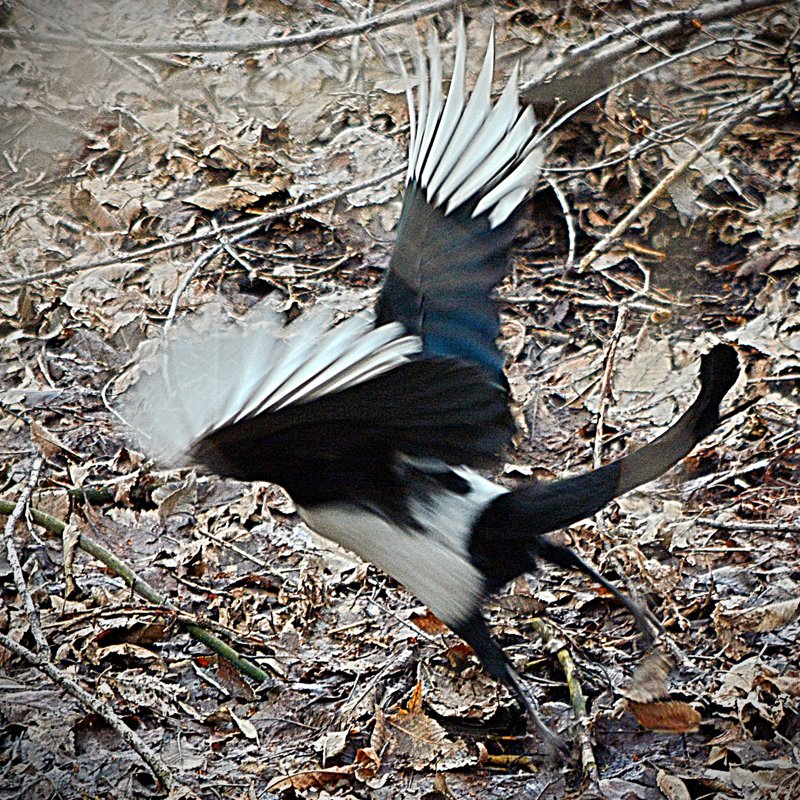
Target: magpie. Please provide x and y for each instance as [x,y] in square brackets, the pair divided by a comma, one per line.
[376,426]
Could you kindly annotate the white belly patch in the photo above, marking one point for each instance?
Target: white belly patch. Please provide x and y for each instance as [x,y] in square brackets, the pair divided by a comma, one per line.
[442,579]
[434,565]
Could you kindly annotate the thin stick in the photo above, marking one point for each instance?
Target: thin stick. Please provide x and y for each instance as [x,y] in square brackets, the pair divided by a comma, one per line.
[247,227]
[626,39]
[619,326]
[776,89]
[144,589]
[760,527]
[562,200]
[200,262]
[576,695]
[102,709]
[31,612]
[386,20]
[547,131]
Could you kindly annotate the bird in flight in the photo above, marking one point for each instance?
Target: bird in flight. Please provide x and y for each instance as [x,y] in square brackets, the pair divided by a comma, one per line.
[376,426]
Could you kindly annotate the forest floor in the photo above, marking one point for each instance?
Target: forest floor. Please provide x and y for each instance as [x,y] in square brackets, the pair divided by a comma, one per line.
[149,165]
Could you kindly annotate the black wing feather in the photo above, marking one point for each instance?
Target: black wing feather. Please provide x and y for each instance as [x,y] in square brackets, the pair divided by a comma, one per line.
[338,446]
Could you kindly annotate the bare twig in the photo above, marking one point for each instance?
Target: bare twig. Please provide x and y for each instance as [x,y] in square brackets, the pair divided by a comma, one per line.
[548,130]
[386,20]
[578,699]
[144,589]
[562,201]
[608,49]
[765,527]
[247,227]
[580,301]
[200,262]
[31,611]
[674,132]
[611,353]
[89,701]
[776,89]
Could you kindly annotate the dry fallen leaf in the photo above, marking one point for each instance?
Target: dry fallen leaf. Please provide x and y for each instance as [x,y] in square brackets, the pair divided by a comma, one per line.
[763,619]
[672,787]
[423,741]
[788,684]
[86,206]
[311,779]
[48,443]
[672,716]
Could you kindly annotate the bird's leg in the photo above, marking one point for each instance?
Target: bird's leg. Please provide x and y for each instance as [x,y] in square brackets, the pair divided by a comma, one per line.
[567,558]
[497,664]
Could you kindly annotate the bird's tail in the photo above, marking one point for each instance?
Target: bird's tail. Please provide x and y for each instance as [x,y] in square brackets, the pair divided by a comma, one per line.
[514,523]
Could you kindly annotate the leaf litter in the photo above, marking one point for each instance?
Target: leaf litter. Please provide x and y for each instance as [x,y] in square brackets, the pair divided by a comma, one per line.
[365,693]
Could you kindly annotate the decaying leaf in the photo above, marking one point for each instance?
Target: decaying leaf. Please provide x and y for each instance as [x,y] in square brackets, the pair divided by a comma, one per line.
[672,787]
[747,689]
[423,741]
[311,779]
[759,619]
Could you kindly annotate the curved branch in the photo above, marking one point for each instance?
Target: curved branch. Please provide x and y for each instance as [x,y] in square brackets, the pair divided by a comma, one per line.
[593,61]
[144,589]
[246,227]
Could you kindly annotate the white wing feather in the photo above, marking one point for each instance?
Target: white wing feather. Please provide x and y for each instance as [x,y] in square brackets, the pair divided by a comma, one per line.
[460,149]
[212,371]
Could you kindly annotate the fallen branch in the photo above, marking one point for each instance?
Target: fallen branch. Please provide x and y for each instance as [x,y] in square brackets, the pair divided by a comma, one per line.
[756,527]
[605,385]
[577,697]
[13,559]
[376,23]
[144,589]
[247,227]
[102,709]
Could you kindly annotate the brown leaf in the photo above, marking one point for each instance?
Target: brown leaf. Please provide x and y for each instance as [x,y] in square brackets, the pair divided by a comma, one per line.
[311,779]
[512,342]
[429,623]
[672,787]
[367,763]
[214,198]
[423,740]
[763,619]
[86,206]
[788,684]
[176,497]
[48,443]
[672,716]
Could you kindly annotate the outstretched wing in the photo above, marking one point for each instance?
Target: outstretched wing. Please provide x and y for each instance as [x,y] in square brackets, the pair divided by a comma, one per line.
[470,166]
[321,410]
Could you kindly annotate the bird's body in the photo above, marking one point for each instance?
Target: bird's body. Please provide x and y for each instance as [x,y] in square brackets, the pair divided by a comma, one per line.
[430,555]
[376,426]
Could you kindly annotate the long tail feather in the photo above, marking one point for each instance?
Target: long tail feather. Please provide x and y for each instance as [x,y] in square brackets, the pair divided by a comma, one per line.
[510,527]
